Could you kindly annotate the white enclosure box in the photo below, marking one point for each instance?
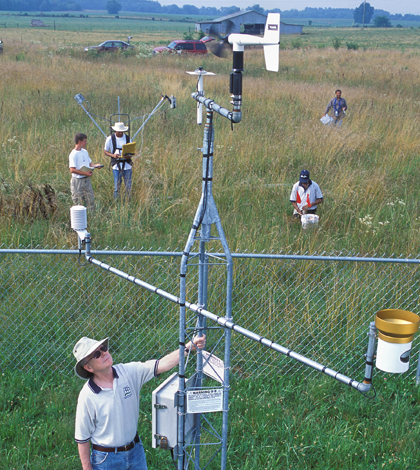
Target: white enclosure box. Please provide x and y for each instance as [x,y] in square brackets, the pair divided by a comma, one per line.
[165,415]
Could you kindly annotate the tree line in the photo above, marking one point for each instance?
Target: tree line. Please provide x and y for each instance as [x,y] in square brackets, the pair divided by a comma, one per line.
[153,6]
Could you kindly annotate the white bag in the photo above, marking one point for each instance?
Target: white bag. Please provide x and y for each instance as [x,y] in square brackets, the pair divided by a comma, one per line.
[326,119]
[309,221]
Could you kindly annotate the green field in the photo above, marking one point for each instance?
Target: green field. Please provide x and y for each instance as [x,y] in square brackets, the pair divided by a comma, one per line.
[279,424]
[368,172]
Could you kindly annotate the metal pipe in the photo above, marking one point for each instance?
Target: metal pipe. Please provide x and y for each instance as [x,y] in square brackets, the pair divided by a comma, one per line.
[361,387]
[354,259]
[211,105]
[370,353]
[93,120]
[150,115]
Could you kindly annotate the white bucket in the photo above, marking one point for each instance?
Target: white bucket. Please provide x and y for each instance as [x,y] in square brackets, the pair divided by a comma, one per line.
[78,218]
[396,330]
[309,221]
[393,357]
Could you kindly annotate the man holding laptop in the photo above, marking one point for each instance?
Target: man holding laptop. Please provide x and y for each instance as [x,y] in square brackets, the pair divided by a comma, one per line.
[118,146]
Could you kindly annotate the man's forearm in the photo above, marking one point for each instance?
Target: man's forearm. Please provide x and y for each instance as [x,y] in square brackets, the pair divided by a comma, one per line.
[295,206]
[84,454]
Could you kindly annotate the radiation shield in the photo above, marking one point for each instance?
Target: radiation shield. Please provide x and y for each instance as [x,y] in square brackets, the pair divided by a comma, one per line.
[396,330]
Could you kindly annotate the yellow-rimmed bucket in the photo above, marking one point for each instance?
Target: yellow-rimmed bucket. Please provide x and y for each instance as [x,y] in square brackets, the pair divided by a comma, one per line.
[396,330]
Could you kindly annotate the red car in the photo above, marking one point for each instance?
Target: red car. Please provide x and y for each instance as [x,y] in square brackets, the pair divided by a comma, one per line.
[181,46]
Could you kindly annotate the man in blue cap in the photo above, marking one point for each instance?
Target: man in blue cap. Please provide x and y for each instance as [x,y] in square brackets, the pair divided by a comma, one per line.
[305,195]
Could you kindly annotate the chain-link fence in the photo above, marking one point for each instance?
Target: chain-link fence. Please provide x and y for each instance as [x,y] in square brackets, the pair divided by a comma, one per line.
[319,306]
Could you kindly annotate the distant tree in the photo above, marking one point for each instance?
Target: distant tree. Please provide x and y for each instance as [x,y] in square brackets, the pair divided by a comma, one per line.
[365,9]
[190,10]
[257,8]
[228,10]
[382,22]
[113,7]
[172,9]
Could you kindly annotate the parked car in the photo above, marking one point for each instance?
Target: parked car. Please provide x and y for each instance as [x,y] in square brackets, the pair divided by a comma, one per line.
[182,46]
[207,39]
[110,46]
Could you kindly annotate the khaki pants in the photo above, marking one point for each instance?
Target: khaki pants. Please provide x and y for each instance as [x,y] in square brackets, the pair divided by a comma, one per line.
[82,192]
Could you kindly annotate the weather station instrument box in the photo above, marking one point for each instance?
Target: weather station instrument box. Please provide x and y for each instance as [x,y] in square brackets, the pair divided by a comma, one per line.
[165,415]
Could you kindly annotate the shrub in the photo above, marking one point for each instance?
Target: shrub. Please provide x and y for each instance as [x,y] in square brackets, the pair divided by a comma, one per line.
[336,42]
[188,36]
[382,22]
[352,46]
[296,43]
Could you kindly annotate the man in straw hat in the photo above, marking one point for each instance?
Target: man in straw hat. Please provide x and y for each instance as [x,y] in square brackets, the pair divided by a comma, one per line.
[121,167]
[108,405]
[305,195]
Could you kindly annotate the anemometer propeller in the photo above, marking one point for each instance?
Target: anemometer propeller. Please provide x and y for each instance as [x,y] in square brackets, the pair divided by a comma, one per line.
[270,43]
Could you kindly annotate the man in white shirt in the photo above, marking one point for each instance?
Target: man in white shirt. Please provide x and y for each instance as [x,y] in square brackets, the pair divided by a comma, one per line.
[305,195]
[121,167]
[80,184]
[108,406]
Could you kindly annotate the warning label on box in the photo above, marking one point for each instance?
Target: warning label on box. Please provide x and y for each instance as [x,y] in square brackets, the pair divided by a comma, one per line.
[204,401]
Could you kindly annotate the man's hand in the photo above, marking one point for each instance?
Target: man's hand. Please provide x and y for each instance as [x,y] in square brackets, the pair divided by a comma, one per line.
[196,343]
[172,359]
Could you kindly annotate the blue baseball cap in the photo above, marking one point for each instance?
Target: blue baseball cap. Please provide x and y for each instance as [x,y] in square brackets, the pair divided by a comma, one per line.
[304,176]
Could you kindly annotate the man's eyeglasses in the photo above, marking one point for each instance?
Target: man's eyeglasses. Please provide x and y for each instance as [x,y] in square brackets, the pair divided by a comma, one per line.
[97,353]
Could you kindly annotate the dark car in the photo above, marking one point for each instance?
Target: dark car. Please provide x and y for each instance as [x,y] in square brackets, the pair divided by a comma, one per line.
[110,46]
[182,46]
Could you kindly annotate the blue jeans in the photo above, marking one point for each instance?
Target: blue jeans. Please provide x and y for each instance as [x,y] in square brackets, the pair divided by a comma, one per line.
[134,459]
[336,123]
[118,177]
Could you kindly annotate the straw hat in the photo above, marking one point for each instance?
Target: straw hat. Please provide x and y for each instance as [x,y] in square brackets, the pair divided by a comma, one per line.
[84,348]
[119,127]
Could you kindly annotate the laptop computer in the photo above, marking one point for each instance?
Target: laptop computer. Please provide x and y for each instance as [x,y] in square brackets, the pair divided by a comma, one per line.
[128,150]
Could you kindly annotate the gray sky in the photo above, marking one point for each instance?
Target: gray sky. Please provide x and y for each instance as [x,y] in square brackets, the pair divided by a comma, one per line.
[403,7]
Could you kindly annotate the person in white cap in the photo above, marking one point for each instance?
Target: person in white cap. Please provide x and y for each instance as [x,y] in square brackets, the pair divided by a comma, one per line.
[80,184]
[121,167]
[108,405]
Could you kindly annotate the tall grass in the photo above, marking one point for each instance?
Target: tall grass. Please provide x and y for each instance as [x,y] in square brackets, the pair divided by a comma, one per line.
[362,168]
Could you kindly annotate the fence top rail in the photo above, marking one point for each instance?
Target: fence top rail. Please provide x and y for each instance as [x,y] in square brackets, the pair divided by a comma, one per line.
[354,259]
